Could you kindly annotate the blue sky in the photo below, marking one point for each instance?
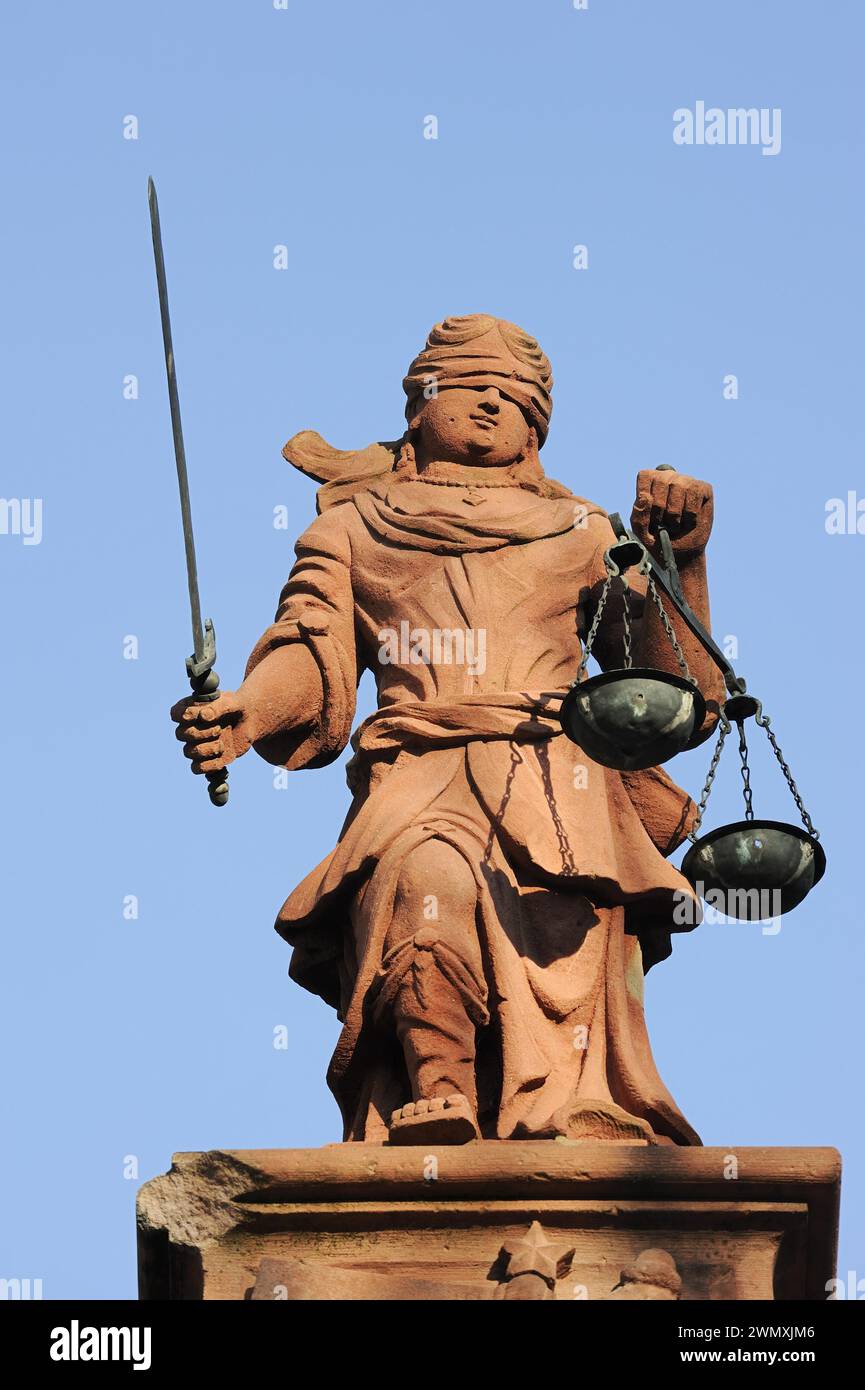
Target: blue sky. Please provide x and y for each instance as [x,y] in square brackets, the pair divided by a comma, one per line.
[304,128]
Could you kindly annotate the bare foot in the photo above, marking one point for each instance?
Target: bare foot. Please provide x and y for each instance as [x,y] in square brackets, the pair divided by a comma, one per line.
[438,1121]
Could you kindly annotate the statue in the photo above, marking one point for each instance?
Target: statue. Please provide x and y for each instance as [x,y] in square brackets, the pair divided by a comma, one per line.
[484,924]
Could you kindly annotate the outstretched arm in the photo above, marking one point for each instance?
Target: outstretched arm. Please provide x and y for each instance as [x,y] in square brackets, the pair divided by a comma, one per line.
[273,711]
[296,703]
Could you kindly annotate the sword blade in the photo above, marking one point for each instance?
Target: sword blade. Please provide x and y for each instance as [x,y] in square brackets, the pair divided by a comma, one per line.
[198,637]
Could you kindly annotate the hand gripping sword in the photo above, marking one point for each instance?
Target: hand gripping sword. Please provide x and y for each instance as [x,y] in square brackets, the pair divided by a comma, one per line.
[199,666]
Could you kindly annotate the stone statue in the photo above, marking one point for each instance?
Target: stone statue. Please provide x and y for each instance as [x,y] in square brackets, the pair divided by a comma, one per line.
[486,919]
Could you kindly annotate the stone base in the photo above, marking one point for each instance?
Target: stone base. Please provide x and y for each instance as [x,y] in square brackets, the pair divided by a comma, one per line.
[516,1219]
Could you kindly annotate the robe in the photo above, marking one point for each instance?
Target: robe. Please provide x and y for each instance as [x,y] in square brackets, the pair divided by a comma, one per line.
[575,893]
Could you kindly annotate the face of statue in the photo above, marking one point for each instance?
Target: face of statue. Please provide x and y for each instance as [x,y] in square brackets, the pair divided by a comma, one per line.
[477,426]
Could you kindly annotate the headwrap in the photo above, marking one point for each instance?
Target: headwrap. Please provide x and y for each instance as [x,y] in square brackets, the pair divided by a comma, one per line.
[479,350]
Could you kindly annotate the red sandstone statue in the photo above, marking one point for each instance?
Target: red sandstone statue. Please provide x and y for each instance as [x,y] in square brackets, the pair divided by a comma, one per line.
[485,922]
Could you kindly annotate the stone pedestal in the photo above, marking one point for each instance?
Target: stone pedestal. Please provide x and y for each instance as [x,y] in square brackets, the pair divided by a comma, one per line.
[534,1219]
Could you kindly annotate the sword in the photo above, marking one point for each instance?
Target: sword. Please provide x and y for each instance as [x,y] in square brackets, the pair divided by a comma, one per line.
[199,666]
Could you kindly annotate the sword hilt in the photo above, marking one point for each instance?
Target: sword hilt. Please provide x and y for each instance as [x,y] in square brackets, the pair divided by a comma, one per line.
[205,688]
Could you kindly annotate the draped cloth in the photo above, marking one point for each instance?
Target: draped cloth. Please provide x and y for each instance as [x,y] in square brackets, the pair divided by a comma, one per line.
[575,894]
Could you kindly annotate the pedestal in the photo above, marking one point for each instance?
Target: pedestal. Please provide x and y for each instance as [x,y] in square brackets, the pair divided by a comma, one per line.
[536,1219]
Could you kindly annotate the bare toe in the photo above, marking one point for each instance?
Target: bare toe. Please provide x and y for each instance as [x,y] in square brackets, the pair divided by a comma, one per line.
[438,1120]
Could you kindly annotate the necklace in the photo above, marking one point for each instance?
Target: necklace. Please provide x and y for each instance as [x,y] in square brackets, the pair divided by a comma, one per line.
[463,482]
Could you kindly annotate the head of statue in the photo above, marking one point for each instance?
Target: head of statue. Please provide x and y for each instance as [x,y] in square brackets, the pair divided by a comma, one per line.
[478,395]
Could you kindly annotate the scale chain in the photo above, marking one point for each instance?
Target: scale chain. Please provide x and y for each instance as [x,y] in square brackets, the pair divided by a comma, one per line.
[763,721]
[626,614]
[746,774]
[710,777]
[668,627]
[627,636]
[593,630]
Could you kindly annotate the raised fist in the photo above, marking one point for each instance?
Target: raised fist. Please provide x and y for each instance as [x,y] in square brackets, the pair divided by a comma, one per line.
[670,501]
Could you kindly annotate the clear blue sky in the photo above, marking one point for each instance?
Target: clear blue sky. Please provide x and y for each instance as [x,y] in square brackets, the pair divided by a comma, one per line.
[304,127]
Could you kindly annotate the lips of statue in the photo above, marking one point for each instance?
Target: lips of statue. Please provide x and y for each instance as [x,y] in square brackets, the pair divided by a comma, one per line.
[471,425]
